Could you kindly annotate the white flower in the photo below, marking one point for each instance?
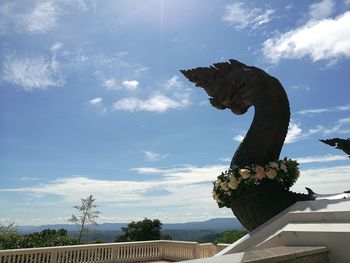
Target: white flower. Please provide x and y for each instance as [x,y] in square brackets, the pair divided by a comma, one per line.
[216,198]
[271,173]
[284,167]
[233,184]
[273,165]
[224,186]
[244,173]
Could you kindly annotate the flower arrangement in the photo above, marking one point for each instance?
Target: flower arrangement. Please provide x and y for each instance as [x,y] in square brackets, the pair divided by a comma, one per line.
[236,180]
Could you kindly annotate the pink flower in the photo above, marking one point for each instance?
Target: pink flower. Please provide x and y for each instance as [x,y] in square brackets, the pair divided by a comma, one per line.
[260,173]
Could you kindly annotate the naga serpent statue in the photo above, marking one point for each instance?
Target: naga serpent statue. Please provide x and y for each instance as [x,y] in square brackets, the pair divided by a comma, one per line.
[236,86]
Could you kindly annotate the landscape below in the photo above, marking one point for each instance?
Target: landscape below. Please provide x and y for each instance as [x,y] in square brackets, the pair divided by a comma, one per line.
[205,231]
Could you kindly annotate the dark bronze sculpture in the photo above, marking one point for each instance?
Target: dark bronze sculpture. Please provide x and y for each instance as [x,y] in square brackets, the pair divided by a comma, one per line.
[236,86]
[341,144]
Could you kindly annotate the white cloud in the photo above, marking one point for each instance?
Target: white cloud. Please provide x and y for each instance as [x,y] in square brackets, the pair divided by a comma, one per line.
[225,159]
[108,68]
[110,83]
[128,104]
[323,39]
[55,66]
[96,102]
[147,170]
[321,10]
[342,108]
[73,188]
[342,126]
[153,156]
[177,89]
[238,138]
[313,111]
[131,84]
[156,103]
[56,46]
[6,17]
[241,16]
[37,72]
[81,5]
[173,83]
[322,110]
[28,178]
[203,103]
[321,159]
[187,188]
[301,87]
[42,18]
[324,180]
[294,132]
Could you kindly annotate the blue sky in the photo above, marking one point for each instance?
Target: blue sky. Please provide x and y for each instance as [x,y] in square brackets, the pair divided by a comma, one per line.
[92,101]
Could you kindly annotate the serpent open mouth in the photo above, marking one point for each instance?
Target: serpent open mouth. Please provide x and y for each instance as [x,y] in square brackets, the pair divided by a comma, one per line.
[225,84]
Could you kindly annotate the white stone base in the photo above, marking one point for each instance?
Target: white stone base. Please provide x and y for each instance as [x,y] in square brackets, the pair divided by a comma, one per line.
[309,223]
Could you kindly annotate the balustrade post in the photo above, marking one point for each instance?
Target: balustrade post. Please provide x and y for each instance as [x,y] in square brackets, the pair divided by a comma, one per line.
[114,254]
[161,250]
[53,257]
[197,251]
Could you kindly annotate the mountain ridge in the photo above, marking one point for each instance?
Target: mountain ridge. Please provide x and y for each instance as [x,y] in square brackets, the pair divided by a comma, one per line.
[212,224]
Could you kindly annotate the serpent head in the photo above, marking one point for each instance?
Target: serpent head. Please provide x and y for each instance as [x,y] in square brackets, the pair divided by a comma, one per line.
[230,85]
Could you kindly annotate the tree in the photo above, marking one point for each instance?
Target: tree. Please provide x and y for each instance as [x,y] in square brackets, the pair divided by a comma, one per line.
[146,229]
[231,236]
[45,238]
[88,215]
[10,228]
[8,234]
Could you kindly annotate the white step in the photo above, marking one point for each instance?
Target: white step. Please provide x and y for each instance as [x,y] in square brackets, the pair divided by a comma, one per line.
[288,254]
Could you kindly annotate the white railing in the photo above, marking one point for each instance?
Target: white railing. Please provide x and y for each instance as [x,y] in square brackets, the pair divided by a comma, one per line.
[222,246]
[111,252]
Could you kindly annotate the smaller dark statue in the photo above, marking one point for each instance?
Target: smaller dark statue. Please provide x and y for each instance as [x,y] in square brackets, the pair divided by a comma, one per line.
[256,186]
[341,144]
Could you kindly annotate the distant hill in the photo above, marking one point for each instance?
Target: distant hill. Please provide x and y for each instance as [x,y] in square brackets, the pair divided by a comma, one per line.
[212,224]
[73,228]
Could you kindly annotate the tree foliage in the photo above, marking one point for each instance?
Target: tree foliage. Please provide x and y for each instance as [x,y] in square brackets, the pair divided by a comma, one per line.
[87,215]
[146,229]
[45,238]
[231,236]
[9,229]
